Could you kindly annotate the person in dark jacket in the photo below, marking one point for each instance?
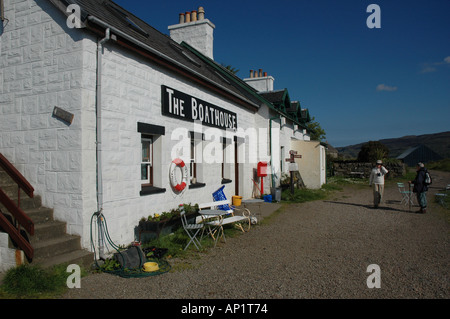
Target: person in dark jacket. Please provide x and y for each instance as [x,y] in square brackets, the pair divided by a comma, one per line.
[420,187]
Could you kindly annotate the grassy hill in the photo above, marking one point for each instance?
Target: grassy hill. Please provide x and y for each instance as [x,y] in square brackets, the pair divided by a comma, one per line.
[438,142]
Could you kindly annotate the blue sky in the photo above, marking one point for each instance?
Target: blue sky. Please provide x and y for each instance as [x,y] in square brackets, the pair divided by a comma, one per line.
[359,83]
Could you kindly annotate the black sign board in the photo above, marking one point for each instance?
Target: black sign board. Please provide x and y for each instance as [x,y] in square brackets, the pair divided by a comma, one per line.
[63,115]
[188,108]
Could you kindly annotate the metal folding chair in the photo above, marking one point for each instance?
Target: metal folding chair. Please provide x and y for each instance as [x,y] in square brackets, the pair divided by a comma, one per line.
[407,197]
[192,229]
[441,199]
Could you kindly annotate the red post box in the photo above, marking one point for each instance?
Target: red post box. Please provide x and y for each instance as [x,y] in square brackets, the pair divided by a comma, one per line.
[262,172]
[262,169]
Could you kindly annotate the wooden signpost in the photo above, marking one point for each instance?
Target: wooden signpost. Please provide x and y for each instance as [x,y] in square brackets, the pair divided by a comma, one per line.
[293,167]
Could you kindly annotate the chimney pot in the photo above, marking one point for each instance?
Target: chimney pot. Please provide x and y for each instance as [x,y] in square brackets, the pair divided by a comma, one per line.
[201,13]
[197,33]
[181,18]
[260,81]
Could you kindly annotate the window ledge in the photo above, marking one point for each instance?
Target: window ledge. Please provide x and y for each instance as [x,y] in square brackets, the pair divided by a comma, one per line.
[197,185]
[226,181]
[149,190]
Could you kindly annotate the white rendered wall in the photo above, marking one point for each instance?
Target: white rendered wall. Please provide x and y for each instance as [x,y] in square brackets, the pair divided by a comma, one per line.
[44,64]
[131,93]
[9,257]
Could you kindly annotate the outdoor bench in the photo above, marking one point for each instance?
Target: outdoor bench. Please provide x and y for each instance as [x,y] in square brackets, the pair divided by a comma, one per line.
[228,216]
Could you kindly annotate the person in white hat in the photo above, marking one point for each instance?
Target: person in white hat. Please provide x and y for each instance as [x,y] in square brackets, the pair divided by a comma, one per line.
[377,179]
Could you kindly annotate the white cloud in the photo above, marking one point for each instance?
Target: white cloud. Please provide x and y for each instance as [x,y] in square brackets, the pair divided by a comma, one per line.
[433,67]
[428,69]
[384,87]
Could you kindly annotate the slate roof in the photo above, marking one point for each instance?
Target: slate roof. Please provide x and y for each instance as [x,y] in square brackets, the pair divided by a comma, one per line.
[420,153]
[280,99]
[120,19]
[268,98]
[423,150]
[96,14]
[407,152]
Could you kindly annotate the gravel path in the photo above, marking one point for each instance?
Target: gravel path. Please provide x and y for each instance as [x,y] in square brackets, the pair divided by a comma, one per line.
[318,249]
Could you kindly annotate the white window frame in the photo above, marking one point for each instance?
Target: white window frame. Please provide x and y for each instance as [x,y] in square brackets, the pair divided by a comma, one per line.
[149,180]
[192,161]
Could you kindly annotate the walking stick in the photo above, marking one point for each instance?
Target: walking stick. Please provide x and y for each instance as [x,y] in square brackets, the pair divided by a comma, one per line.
[409,197]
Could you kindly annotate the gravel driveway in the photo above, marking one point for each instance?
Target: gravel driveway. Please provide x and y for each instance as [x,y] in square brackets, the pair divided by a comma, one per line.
[317,249]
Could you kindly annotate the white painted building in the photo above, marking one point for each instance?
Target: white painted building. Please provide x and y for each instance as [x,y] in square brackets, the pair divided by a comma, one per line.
[93,114]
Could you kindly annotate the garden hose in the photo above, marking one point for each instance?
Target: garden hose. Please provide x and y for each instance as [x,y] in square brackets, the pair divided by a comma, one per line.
[163,265]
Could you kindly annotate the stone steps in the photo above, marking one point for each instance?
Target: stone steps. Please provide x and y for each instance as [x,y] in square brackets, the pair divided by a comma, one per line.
[52,245]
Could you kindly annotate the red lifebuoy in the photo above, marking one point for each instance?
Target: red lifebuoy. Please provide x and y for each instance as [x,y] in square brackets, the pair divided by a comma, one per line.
[184,175]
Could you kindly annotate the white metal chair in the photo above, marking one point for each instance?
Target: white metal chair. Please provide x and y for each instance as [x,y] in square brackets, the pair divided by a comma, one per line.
[407,197]
[192,229]
[441,199]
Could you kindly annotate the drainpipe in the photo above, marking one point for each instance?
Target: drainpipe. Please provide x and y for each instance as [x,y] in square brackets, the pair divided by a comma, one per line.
[98,93]
[270,143]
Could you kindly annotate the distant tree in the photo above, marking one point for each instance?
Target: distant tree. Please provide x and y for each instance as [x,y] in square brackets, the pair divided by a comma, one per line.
[231,68]
[316,132]
[373,151]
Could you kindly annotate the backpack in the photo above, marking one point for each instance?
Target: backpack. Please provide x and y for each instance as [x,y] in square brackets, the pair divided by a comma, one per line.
[428,179]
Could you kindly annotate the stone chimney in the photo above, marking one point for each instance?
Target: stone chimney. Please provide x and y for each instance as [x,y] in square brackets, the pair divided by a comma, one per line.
[195,30]
[260,81]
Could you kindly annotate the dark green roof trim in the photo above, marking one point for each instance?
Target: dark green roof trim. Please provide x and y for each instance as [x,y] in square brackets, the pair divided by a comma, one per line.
[234,80]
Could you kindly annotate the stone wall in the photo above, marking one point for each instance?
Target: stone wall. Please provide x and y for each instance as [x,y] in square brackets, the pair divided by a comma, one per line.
[362,170]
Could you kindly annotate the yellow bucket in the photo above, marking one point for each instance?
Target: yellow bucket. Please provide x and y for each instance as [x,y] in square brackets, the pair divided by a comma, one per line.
[237,200]
[151,266]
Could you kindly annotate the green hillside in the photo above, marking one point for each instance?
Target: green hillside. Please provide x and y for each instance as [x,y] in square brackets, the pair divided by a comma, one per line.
[438,142]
